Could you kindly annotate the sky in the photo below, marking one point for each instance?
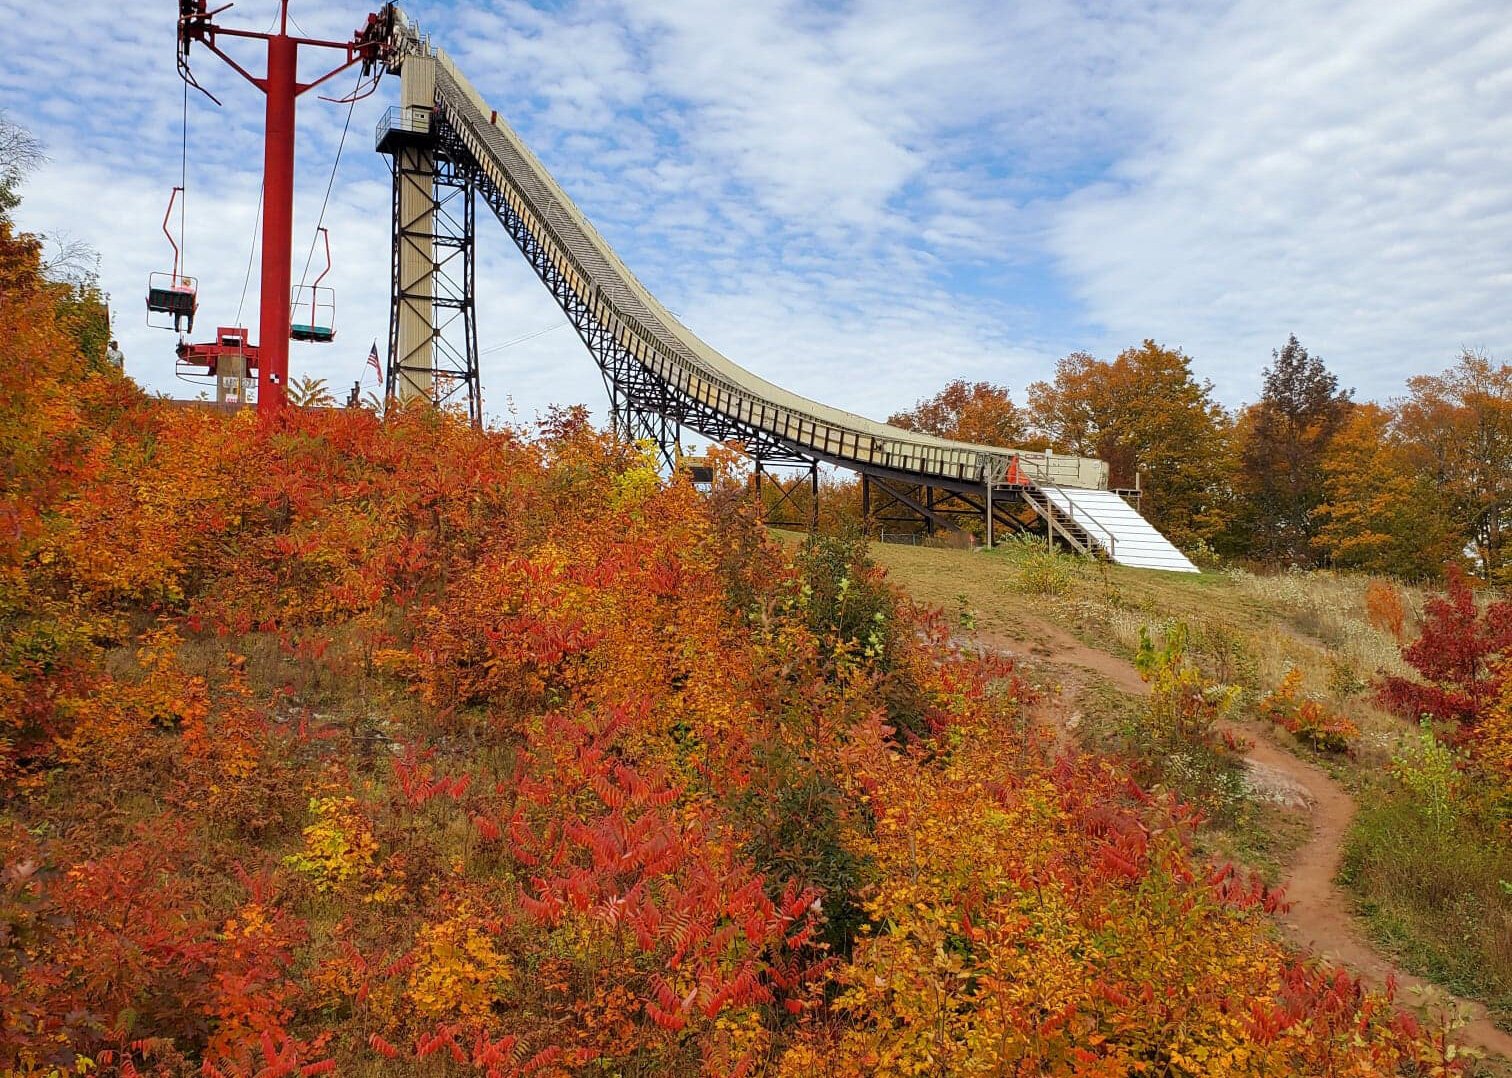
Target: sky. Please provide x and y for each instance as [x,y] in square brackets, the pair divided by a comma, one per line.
[860,201]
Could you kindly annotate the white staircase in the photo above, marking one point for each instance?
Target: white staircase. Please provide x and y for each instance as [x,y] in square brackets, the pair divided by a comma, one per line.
[1103,519]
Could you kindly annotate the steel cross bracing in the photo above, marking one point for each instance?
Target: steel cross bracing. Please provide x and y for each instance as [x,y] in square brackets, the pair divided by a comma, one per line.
[799,493]
[645,407]
[444,366]
[642,406]
[887,501]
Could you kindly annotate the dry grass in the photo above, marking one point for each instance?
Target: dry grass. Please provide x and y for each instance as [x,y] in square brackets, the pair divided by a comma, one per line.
[1246,629]
[1440,905]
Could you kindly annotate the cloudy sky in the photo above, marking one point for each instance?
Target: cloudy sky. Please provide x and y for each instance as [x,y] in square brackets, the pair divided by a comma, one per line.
[859,200]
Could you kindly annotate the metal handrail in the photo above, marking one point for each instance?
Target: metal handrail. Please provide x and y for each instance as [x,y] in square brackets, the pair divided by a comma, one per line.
[1070,510]
[411,121]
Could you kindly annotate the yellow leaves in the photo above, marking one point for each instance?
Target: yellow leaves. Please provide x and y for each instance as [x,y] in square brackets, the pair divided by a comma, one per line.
[339,847]
[633,486]
[459,971]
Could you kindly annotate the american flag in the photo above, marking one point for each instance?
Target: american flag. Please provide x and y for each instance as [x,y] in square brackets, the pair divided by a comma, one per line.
[373,362]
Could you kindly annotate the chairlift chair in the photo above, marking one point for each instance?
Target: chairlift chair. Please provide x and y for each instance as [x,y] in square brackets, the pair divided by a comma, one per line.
[172,298]
[312,315]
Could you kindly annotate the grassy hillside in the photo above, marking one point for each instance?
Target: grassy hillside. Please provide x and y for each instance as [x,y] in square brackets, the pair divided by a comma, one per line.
[1429,887]
[337,745]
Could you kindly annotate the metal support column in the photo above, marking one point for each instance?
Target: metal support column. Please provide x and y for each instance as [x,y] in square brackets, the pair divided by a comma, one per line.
[433,333]
[814,496]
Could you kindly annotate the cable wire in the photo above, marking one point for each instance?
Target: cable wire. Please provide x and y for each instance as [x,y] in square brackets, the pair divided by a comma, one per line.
[521,339]
[251,257]
[329,185]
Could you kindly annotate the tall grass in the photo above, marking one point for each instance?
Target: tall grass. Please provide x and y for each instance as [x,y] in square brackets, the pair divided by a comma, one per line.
[1436,894]
[1330,607]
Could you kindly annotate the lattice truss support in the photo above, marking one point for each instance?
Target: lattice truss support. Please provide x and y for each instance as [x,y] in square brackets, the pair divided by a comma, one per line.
[888,501]
[642,406]
[789,499]
[433,332]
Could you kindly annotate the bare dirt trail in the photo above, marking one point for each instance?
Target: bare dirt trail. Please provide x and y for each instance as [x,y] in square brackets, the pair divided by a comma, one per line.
[1319,917]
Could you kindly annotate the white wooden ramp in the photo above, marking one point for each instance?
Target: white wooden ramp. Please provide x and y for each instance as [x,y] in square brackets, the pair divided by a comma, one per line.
[1114,525]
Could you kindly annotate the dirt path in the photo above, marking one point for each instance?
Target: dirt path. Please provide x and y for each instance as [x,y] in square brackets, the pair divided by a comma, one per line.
[1319,918]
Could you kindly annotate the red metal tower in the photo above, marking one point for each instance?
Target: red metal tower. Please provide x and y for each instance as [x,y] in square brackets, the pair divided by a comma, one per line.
[282,88]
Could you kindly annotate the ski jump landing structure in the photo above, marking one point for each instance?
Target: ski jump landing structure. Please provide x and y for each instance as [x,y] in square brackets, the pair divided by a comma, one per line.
[449,149]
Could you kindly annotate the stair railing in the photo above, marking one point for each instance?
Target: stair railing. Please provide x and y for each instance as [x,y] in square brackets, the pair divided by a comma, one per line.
[1051,511]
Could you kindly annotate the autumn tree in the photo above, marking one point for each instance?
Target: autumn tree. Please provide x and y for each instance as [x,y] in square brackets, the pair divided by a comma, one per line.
[1281,445]
[20,254]
[1147,416]
[1459,427]
[1382,511]
[1459,658]
[978,412]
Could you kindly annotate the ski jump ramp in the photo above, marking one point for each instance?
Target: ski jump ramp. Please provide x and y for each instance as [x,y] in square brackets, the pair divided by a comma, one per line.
[661,377]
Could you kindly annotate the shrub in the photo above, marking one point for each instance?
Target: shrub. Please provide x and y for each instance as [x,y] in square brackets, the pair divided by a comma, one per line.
[1430,770]
[1385,610]
[1184,706]
[1040,571]
[1308,720]
[1457,657]
[1174,735]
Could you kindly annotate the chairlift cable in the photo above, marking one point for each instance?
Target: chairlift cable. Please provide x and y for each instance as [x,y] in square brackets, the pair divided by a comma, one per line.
[532,335]
[304,273]
[251,256]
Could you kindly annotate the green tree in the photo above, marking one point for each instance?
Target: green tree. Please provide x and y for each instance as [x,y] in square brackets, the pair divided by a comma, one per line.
[1148,417]
[1281,442]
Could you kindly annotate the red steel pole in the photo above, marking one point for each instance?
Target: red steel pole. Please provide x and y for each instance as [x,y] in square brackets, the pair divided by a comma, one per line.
[282,87]
[278,218]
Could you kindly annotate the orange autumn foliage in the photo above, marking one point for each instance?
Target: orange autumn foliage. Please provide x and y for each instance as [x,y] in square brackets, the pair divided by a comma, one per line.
[334,744]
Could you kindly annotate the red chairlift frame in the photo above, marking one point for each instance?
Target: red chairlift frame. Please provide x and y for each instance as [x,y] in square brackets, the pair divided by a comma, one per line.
[176,285]
[313,331]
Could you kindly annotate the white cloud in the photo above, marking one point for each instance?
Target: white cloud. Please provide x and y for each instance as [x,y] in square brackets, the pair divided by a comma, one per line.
[1335,170]
[864,201]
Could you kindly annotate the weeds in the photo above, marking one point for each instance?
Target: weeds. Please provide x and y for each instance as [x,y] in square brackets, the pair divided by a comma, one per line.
[1040,571]
[1174,734]
[1429,883]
